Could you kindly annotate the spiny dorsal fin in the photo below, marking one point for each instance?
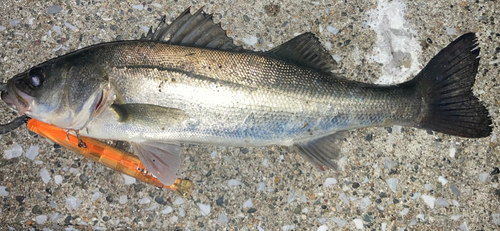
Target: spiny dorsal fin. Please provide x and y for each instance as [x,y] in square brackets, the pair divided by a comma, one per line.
[197,30]
[304,50]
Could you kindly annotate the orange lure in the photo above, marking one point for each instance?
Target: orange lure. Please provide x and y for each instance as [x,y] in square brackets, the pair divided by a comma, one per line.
[107,155]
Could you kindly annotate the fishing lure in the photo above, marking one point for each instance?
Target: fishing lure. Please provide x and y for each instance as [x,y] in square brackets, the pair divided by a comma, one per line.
[111,157]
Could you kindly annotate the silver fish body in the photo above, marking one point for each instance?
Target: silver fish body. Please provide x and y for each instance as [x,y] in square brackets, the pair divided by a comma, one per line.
[188,83]
[241,99]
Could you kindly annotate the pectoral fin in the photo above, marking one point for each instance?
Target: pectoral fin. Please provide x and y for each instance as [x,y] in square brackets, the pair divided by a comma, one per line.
[324,151]
[161,158]
[148,114]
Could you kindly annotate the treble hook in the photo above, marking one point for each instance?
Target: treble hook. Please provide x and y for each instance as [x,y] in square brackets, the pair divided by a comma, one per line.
[81,144]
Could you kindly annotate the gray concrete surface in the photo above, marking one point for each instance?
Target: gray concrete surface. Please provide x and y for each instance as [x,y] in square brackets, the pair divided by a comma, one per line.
[440,182]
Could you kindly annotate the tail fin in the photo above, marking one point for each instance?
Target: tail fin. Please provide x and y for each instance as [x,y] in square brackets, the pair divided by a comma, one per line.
[445,83]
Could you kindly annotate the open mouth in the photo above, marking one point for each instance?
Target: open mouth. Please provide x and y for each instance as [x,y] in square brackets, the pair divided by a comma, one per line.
[16,100]
[6,97]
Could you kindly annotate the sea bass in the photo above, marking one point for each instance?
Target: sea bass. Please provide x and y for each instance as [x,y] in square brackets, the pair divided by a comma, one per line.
[187,82]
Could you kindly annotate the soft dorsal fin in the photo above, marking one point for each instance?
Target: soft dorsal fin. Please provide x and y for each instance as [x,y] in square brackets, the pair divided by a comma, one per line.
[197,30]
[304,50]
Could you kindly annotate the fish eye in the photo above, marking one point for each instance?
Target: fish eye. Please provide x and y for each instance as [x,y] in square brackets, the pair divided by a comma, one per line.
[35,80]
[36,77]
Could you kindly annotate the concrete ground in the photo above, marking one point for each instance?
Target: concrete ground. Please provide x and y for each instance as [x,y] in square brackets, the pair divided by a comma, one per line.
[394,178]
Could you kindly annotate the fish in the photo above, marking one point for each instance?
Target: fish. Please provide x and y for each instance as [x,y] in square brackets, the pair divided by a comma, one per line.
[188,82]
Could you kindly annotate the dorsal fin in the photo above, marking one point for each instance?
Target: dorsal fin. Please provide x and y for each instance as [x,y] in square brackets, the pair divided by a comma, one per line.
[304,50]
[197,30]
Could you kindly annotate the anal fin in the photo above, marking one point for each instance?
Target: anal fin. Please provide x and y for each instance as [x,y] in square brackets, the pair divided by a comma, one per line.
[322,152]
[161,158]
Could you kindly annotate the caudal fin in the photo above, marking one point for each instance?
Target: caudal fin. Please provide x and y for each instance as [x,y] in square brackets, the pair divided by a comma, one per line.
[446,85]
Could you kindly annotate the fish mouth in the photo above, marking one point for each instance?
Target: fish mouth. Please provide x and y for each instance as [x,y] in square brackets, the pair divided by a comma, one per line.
[15,99]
